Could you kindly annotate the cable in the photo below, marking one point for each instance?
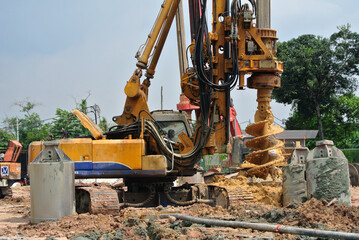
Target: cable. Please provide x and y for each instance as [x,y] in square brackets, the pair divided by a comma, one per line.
[254,6]
[206,75]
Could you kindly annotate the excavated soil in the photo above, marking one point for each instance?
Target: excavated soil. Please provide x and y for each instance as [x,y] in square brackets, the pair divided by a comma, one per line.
[262,192]
[145,223]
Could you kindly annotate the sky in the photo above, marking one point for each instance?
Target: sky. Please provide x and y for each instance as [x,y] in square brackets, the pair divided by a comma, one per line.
[55,53]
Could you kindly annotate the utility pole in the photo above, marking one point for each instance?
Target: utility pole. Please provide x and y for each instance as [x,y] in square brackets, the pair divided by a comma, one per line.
[161,97]
[17,129]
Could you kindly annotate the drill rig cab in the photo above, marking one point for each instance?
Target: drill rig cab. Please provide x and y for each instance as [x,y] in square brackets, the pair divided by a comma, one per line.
[149,154]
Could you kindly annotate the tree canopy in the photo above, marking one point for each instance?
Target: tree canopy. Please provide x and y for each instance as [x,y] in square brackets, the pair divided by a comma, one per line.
[319,79]
[31,128]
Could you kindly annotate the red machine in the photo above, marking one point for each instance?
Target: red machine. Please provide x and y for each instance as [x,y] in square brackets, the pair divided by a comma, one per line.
[10,170]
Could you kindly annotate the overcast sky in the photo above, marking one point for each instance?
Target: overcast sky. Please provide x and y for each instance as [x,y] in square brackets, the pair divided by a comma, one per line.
[55,52]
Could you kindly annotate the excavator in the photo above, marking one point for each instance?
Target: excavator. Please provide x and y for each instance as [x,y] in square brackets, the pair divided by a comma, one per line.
[149,150]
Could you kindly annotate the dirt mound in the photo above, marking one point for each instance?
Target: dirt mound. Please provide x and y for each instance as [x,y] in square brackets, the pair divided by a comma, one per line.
[316,214]
[311,214]
[265,192]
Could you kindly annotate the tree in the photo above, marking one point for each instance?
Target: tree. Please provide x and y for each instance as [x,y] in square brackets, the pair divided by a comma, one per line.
[66,125]
[5,137]
[317,71]
[345,124]
[103,124]
[31,128]
[340,121]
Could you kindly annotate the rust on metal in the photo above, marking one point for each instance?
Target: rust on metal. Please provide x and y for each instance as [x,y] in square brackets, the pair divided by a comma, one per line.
[98,200]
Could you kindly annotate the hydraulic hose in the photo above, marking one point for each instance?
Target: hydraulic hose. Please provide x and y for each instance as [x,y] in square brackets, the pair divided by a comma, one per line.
[267,227]
[185,159]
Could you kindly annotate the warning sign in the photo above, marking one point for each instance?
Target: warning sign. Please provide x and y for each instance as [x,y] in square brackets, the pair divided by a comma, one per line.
[5,171]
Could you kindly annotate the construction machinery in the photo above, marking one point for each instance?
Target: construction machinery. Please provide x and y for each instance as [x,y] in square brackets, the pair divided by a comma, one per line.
[10,170]
[150,150]
[354,174]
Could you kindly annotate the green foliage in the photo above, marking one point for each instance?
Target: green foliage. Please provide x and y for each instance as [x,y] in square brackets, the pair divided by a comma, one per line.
[32,128]
[340,121]
[82,106]
[103,124]
[66,125]
[5,137]
[352,155]
[320,75]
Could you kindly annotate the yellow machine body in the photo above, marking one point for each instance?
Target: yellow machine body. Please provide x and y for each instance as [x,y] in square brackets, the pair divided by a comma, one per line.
[107,158]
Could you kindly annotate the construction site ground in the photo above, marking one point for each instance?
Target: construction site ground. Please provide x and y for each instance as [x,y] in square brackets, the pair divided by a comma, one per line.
[258,203]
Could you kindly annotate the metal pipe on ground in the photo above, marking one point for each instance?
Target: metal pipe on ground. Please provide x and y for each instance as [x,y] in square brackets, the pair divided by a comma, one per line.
[266,227]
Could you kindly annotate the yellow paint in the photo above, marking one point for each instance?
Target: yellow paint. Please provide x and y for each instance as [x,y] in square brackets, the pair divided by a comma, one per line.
[89,124]
[34,150]
[152,37]
[127,152]
[154,162]
[124,151]
[132,88]
[186,143]
[77,149]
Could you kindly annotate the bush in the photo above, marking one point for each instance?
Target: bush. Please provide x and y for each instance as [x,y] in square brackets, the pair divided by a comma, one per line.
[352,155]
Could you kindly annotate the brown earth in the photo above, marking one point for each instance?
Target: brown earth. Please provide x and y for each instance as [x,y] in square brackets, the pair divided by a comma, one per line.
[355,196]
[262,192]
[145,223]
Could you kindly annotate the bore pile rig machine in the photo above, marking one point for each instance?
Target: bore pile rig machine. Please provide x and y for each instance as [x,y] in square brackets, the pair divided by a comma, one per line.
[139,148]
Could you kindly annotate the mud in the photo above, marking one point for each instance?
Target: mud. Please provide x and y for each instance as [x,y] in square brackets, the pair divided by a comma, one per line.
[145,223]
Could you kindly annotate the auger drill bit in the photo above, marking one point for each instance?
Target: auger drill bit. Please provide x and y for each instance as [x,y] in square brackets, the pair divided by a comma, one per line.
[268,149]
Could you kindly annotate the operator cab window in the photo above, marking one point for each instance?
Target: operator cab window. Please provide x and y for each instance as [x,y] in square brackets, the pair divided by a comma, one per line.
[173,129]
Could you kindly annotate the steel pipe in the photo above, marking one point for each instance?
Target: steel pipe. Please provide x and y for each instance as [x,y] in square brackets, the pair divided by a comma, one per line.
[263,14]
[267,227]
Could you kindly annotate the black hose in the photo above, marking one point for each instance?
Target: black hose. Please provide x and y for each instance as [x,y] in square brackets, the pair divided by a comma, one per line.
[199,61]
[267,227]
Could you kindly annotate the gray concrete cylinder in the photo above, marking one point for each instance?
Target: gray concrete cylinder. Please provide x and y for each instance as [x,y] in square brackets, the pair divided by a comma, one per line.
[328,174]
[52,185]
[294,183]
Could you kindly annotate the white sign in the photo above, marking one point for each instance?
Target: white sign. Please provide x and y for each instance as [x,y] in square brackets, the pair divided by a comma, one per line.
[5,171]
